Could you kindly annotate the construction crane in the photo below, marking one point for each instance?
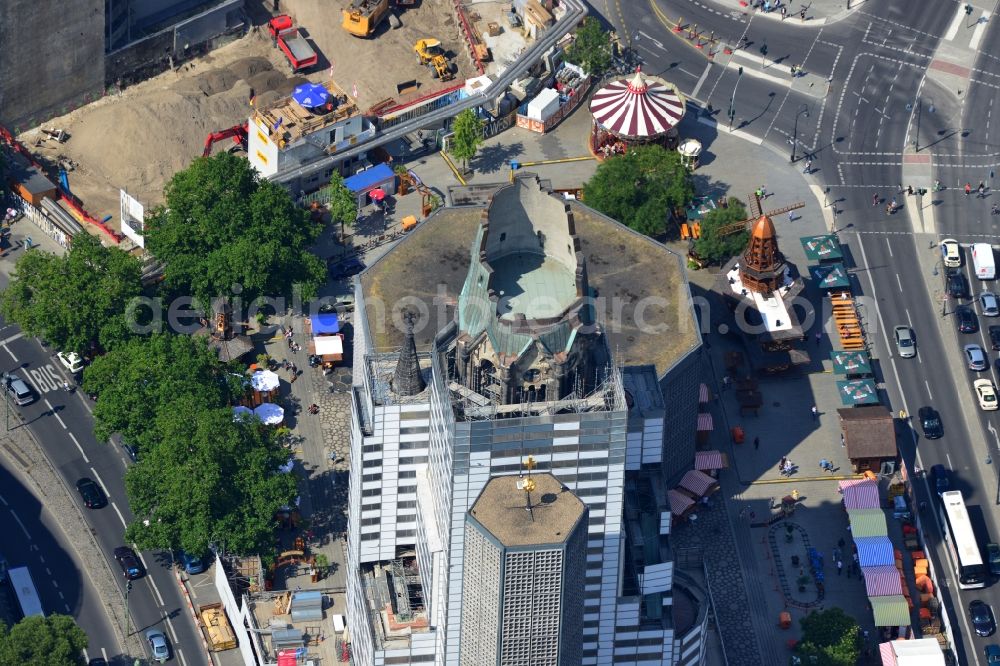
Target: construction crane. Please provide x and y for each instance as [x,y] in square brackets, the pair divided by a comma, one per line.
[364,16]
[430,53]
[755,214]
[238,133]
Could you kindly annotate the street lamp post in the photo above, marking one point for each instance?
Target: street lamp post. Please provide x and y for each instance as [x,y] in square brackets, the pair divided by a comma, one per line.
[916,135]
[128,629]
[732,98]
[795,129]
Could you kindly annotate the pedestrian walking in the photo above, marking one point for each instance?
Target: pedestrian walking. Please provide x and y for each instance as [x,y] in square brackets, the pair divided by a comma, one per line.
[819,338]
[841,543]
[293,378]
[840,567]
[802,14]
[763,191]
[982,190]
[809,167]
[968,189]
[781,464]
[791,216]
[756,443]
[784,10]
[727,381]
[842,443]
[995,210]
[836,554]
[815,413]
[874,199]
[909,190]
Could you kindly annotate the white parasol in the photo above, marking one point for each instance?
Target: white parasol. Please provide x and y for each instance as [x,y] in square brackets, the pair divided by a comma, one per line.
[240,412]
[270,413]
[264,381]
[287,467]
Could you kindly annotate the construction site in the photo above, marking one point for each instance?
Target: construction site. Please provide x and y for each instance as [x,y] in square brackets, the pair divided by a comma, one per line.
[136,138]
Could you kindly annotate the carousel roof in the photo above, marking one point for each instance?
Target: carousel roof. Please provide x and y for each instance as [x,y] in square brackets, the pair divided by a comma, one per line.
[645,106]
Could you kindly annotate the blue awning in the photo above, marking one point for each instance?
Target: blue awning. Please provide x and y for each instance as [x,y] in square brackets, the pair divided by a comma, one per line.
[326,323]
[874,551]
[370,179]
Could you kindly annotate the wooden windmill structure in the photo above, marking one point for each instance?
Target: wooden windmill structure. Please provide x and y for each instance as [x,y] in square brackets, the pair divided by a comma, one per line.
[755,214]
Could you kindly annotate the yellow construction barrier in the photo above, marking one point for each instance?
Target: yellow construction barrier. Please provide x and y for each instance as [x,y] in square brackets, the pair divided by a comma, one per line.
[454,169]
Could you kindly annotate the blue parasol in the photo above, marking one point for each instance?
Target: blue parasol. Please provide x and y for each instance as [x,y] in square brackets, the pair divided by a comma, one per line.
[311,95]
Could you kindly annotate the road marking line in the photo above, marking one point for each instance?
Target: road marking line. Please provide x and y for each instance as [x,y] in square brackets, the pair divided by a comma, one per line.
[888,245]
[41,559]
[55,414]
[16,336]
[656,42]
[173,632]
[977,34]
[928,385]
[23,528]
[749,71]
[899,284]
[908,320]
[101,481]
[181,655]
[120,516]
[746,136]
[86,657]
[48,571]
[3,500]
[73,437]
[948,458]
[701,81]
[104,653]
[955,23]
[7,349]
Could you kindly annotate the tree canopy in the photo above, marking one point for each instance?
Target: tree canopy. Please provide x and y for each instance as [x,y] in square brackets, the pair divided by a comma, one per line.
[830,638]
[468,135]
[640,188]
[208,479]
[591,47]
[343,206]
[139,380]
[55,640]
[718,248]
[76,301]
[224,225]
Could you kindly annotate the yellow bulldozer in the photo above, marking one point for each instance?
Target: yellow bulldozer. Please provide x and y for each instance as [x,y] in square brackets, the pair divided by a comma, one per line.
[363,16]
[430,53]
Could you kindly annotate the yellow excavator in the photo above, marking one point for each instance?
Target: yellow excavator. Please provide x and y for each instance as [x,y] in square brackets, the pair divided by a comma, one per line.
[429,52]
[363,16]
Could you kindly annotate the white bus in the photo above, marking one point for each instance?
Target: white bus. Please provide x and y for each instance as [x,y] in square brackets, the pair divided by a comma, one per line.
[962,544]
[24,590]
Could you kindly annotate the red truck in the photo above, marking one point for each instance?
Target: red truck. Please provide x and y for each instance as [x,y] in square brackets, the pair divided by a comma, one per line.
[295,47]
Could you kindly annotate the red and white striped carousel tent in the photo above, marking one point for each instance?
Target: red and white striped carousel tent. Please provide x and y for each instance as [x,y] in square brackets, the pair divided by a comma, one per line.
[639,109]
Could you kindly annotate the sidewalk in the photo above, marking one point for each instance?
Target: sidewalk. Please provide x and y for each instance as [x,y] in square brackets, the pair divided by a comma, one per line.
[818,12]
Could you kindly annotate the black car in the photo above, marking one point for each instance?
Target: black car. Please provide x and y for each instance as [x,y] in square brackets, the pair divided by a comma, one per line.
[346,268]
[92,493]
[940,478]
[967,321]
[955,285]
[129,562]
[994,332]
[982,618]
[930,422]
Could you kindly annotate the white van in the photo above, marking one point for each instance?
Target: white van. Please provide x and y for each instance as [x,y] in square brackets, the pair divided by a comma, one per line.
[983,262]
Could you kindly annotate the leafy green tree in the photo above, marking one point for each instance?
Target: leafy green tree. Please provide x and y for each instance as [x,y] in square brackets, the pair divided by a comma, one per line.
[591,47]
[77,301]
[139,380]
[717,247]
[224,225]
[43,641]
[640,188]
[468,135]
[208,479]
[343,205]
[829,638]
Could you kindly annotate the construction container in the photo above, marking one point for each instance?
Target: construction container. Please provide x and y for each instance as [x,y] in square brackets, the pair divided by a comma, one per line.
[545,103]
[215,625]
[307,606]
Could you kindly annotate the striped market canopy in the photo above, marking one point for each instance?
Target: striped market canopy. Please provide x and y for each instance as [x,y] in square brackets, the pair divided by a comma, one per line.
[698,483]
[643,107]
[890,611]
[707,460]
[861,496]
[874,551]
[882,581]
[867,522]
[679,502]
[705,423]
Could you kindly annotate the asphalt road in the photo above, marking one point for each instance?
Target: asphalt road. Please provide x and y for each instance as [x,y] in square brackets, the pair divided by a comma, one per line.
[33,539]
[63,424]
[870,97]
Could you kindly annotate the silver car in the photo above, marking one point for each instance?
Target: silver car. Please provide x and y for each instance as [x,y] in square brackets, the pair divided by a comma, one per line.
[906,346]
[975,357]
[158,645]
[989,304]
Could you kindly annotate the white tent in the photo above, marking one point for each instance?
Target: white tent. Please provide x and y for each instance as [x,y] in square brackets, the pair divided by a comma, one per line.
[265,380]
[270,413]
[919,652]
[328,345]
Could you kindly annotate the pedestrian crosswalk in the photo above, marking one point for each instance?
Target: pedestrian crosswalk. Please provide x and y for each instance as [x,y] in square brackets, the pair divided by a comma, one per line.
[963,23]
